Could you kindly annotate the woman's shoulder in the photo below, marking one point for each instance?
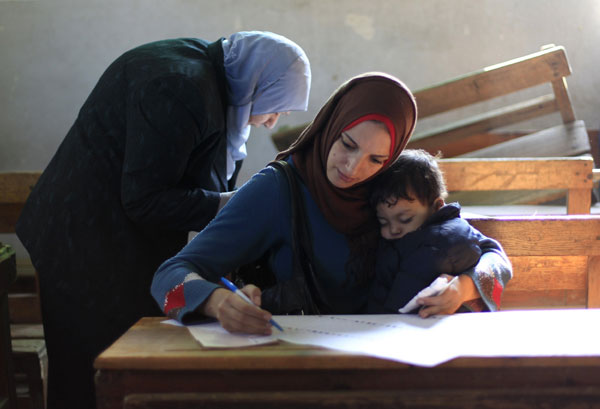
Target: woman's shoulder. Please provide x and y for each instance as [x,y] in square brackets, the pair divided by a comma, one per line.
[268,184]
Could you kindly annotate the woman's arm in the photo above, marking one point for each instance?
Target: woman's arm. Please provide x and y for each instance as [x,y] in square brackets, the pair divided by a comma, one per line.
[185,286]
[479,288]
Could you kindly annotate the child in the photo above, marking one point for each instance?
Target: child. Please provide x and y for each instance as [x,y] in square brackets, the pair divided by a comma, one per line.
[422,237]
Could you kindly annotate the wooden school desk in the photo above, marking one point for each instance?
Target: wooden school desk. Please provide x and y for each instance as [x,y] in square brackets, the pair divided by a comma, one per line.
[154,363]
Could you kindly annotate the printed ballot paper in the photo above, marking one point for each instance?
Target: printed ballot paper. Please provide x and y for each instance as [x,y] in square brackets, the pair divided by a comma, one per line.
[422,341]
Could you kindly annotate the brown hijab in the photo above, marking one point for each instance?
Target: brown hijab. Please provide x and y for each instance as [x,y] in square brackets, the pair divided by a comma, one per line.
[360,98]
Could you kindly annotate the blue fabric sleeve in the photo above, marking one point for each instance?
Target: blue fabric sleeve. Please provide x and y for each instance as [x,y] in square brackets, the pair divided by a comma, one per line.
[242,231]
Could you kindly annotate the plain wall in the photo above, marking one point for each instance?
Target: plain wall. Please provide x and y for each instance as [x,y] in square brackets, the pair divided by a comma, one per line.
[52,52]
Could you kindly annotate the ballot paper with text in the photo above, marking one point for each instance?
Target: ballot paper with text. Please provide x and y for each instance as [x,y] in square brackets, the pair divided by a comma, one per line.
[434,340]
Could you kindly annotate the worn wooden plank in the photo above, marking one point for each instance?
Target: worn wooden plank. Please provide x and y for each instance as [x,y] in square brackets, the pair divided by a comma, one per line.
[547,282]
[501,198]
[563,100]
[24,308]
[9,214]
[543,273]
[493,81]
[526,300]
[579,201]
[562,140]
[16,186]
[467,144]
[463,398]
[27,331]
[514,174]
[485,122]
[544,235]
[594,282]
[8,273]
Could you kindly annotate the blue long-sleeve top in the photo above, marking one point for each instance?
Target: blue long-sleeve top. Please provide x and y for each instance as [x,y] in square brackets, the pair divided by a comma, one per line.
[256,219]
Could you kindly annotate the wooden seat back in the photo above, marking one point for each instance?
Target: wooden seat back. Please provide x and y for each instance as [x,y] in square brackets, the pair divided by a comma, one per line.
[15,187]
[556,259]
[573,175]
[470,134]
[28,344]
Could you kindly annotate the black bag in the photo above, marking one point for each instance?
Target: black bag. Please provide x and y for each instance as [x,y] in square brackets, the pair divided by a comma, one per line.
[301,294]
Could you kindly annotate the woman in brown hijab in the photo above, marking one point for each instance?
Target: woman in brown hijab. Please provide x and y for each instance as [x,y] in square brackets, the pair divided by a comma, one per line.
[356,135]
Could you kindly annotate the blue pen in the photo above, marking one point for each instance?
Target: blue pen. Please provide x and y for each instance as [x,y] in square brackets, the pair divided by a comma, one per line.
[239,292]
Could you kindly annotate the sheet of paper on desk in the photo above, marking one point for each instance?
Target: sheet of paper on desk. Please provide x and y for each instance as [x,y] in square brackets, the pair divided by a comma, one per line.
[212,335]
[404,338]
[431,341]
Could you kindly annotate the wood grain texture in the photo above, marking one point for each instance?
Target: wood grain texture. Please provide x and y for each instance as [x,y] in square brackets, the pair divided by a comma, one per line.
[554,258]
[456,131]
[544,235]
[514,398]
[493,81]
[154,358]
[593,293]
[16,186]
[563,100]
[561,140]
[517,173]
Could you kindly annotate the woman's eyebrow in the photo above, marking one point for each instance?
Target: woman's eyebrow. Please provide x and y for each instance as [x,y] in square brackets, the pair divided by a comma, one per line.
[349,137]
[385,156]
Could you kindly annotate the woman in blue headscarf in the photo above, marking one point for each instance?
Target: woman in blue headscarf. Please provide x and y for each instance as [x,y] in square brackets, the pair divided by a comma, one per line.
[154,153]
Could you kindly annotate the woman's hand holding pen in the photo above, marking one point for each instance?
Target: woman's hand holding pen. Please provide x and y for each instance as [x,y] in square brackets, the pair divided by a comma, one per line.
[236,315]
[449,301]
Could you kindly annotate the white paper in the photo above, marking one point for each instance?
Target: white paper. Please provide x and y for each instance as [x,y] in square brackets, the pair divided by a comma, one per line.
[212,335]
[434,340]
[436,287]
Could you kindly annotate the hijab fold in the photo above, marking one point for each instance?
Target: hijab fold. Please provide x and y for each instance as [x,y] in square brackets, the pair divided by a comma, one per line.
[365,96]
[266,73]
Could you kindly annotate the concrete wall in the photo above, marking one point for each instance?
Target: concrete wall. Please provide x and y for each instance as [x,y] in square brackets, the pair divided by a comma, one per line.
[53,51]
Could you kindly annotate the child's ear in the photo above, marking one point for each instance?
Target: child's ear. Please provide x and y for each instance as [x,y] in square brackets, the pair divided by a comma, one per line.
[439,202]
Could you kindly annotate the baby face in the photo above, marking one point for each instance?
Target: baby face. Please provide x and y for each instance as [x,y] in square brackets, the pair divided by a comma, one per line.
[400,217]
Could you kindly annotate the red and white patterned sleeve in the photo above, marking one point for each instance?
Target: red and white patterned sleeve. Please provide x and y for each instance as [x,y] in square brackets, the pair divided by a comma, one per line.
[490,275]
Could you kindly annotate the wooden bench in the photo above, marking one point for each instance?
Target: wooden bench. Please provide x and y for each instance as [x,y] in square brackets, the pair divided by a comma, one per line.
[505,398]
[471,134]
[28,345]
[571,175]
[479,103]
[8,273]
[556,259]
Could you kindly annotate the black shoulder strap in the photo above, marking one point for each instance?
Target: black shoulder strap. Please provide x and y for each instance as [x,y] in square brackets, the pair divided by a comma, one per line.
[302,242]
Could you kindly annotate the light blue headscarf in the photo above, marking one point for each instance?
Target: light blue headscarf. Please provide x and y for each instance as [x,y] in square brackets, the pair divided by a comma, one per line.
[266,73]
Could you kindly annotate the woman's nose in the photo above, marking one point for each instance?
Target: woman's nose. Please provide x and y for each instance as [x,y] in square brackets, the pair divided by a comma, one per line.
[352,163]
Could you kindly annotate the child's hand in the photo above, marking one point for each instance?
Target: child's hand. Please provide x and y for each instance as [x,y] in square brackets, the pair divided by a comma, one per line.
[450,300]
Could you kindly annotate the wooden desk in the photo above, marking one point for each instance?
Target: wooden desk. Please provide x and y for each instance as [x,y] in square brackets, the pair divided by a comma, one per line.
[8,274]
[154,358]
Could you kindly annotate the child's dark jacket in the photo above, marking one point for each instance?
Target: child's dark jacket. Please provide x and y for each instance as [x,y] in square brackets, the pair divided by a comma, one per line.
[445,243]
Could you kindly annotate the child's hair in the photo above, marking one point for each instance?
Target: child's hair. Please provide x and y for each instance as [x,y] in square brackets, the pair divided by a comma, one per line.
[414,175]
